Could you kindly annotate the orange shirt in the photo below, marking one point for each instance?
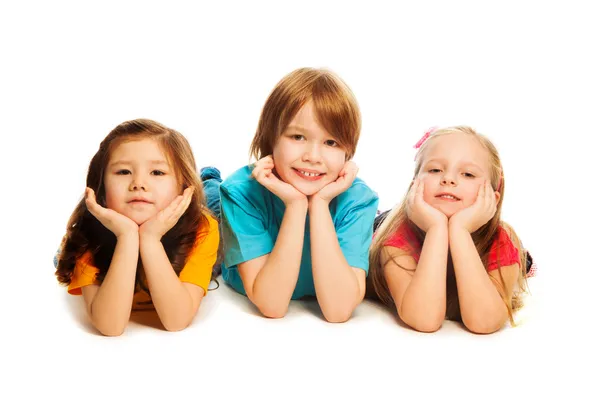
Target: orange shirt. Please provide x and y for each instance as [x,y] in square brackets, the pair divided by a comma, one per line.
[197,269]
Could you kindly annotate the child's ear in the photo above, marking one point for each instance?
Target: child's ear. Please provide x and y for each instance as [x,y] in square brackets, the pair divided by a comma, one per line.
[497,194]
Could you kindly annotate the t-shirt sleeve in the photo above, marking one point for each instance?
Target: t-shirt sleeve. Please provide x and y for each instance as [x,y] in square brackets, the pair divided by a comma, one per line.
[406,240]
[503,252]
[353,222]
[244,224]
[84,274]
[198,267]
[398,239]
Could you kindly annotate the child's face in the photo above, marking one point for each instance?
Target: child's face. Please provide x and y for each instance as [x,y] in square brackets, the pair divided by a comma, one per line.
[305,155]
[454,166]
[139,181]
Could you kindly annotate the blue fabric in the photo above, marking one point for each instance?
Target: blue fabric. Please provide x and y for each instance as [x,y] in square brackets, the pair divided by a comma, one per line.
[251,218]
[211,179]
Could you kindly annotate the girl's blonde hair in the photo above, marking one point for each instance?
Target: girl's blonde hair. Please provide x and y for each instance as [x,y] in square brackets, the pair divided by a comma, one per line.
[85,234]
[335,105]
[483,237]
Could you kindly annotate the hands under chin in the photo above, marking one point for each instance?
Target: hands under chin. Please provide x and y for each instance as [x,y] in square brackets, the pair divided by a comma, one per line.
[340,185]
[115,222]
[166,219]
[420,212]
[477,214]
[263,173]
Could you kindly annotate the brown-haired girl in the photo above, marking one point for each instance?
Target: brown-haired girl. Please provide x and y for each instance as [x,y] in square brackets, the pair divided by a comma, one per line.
[142,236]
[444,251]
[298,222]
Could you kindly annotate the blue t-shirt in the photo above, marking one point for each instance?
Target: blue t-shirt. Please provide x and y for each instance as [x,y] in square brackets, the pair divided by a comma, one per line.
[251,218]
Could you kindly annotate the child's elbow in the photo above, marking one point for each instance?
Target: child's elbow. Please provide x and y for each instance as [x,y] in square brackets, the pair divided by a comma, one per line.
[337,318]
[175,327]
[108,328]
[483,327]
[273,312]
[111,331]
[338,315]
[426,326]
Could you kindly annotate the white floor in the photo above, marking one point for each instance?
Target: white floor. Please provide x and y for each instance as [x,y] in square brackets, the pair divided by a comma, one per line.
[231,351]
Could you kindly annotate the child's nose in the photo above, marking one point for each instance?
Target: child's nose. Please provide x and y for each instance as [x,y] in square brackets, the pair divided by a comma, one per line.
[138,184]
[312,154]
[448,180]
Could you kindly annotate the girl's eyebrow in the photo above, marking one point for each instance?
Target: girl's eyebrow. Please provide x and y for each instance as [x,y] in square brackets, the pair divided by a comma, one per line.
[159,162]
[473,165]
[442,161]
[297,128]
[127,162]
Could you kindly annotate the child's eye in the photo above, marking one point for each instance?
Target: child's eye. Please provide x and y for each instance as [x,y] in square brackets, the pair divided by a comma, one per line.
[469,175]
[123,172]
[331,143]
[297,137]
[435,170]
[157,173]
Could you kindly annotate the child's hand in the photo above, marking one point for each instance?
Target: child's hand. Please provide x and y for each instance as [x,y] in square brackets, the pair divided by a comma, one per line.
[165,219]
[422,214]
[115,222]
[341,184]
[479,213]
[263,173]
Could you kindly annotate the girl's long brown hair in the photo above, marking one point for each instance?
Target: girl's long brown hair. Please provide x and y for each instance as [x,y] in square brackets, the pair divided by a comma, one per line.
[86,234]
[483,237]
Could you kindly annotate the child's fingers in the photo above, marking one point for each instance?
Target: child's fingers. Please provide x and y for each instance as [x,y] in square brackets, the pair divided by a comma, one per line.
[420,191]
[265,162]
[185,203]
[350,167]
[492,198]
[347,174]
[412,191]
[263,168]
[92,205]
[351,170]
[481,194]
[262,175]
[171,208]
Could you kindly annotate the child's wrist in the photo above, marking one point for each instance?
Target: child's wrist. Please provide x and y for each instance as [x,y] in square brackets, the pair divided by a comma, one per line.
[455,226]
[128,235]
[149,236]
[317,201]
[299,203]
[438,227]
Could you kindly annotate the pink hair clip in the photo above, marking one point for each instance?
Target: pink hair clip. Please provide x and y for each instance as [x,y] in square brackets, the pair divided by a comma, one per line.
[425,136]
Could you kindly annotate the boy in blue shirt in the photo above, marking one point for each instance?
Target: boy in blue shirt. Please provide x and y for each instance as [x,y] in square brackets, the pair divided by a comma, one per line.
[298,222]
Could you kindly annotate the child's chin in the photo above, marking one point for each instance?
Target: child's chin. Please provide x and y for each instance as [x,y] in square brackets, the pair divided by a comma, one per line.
[447,211]
[138,219]
[308,190]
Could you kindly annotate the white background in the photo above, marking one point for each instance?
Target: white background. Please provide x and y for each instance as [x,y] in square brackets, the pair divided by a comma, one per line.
[524,73]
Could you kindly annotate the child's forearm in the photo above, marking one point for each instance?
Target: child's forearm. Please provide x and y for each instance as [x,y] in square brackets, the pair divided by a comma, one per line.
[110,308]
[170,298]
[274,285]
[336,284]
[424,303]
[481,306]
